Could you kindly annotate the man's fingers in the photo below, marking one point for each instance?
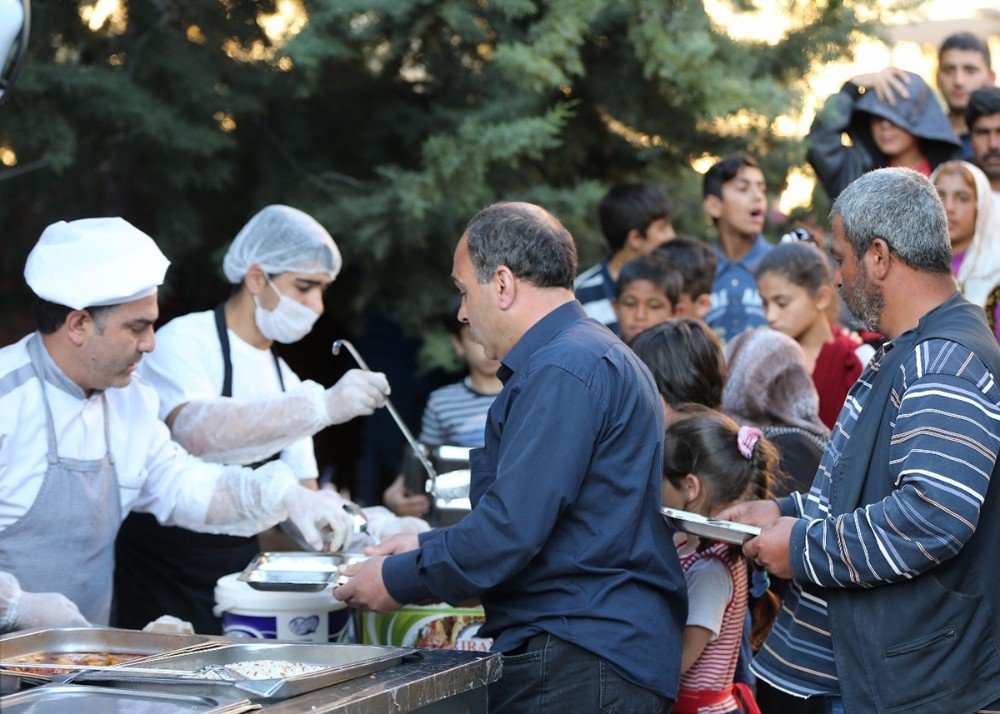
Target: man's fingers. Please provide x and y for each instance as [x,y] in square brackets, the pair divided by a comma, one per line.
[350,570]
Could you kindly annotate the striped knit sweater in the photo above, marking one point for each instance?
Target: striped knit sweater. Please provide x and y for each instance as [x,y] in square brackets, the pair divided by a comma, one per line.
[945,409]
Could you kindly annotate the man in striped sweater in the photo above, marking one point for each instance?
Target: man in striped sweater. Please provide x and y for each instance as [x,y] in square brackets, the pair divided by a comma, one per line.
[892,552]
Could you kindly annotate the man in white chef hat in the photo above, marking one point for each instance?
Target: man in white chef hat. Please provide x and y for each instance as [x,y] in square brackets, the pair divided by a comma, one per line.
[228,398]
[81,444]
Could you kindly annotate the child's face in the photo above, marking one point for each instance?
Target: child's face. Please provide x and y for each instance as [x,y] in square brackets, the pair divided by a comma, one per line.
[474,354]
[688,306]
[890,139]
[672,496]
[640,306]
[743,203]
[657,233]
[789,308]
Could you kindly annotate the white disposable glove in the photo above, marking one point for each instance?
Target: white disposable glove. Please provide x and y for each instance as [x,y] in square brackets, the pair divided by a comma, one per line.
[319,516]
[358,393]
[21,610]
[382,523]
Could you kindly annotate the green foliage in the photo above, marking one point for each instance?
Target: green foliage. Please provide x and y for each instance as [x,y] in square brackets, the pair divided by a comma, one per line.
[392,122]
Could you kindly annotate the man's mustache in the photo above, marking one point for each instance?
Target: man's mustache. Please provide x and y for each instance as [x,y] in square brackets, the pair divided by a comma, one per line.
[991,155]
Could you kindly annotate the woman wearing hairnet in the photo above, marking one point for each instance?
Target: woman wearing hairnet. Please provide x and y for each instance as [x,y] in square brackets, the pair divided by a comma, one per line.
[228,398]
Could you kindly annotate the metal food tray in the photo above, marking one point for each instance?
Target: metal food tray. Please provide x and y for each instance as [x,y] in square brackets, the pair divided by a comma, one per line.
[297,571]
[710,528]
[341,662]
[69,640]
[60,698]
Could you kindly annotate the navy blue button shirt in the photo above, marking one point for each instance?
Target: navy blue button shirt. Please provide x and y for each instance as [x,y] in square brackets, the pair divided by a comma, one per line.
[736,304]
[565,534]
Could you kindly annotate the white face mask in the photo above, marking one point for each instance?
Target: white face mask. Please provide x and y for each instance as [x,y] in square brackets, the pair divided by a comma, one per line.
[288,322]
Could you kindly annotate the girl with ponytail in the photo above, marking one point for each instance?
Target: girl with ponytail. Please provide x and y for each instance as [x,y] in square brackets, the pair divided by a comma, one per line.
[709,464]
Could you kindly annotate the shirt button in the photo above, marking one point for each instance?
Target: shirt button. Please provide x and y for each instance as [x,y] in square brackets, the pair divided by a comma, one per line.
[734,282]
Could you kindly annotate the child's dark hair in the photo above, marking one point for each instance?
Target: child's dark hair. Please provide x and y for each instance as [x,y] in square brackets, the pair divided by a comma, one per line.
[654,269]
[724,171]
[704,442]
[983,102]
[694,260]
[802,263]
[686,360]
[631,206]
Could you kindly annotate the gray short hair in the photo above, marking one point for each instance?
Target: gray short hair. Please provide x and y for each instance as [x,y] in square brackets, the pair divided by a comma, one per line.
[527,239]
[901,207]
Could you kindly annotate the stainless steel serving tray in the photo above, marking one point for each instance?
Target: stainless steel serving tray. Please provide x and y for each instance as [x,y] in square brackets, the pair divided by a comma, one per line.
[68,640]
[297,571]
[80,699]
[340,662]
[710,528]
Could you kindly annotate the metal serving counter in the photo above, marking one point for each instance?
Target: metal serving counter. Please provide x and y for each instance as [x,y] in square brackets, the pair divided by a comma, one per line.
[440,682]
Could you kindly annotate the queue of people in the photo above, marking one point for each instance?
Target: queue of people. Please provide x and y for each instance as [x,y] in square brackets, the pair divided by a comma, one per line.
[720,380]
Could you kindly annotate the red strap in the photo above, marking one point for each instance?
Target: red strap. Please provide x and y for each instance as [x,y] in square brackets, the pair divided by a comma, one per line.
[689,701]
[744,696]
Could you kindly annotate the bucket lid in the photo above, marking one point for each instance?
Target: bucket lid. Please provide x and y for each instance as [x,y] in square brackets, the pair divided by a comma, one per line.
[232,594]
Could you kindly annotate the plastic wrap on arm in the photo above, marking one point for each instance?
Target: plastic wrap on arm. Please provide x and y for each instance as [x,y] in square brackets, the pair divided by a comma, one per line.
[244,431]
[10,597]
[246,501]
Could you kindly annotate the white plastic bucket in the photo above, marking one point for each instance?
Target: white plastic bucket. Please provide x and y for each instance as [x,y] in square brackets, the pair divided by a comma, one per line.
[305,617]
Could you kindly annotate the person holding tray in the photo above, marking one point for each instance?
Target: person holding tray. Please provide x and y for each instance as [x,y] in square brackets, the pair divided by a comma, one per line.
[893,607]
[565,545]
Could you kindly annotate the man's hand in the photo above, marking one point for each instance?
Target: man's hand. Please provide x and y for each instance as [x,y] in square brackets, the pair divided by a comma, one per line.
[404,503]
[888,84]
[754,513]
[366,590]
[769,550]
[402,543]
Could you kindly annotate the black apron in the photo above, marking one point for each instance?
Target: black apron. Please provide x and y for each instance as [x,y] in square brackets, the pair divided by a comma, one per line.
[166,570]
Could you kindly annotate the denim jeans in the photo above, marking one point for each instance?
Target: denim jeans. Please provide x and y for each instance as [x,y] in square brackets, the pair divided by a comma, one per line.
[550,675]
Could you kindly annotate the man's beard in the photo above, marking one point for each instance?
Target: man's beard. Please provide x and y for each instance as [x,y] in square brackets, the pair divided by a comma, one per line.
[865,301]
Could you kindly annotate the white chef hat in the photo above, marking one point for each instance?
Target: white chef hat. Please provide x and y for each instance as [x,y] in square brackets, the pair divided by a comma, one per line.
[282,239]
[93,262]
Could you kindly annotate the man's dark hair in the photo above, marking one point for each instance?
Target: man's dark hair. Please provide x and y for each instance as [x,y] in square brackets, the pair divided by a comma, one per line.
[49,316]
[654,269]
[984,102]
[631,206]
[965,41]
[527,239]
[694,260]
[724,171]
[686,360]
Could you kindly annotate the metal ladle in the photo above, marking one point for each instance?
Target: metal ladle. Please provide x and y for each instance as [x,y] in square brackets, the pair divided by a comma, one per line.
[415,446]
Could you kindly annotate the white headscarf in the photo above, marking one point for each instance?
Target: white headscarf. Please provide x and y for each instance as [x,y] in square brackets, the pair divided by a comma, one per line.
[980,271]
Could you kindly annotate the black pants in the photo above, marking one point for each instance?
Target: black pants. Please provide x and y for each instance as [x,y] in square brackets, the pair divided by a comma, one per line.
[550,675]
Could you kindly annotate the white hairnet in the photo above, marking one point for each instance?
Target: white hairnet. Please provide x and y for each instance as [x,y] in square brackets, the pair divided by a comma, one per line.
[282,239]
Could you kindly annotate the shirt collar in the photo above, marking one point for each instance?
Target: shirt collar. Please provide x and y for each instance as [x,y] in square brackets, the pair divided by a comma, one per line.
[50,371]
[748,261]
[537,337]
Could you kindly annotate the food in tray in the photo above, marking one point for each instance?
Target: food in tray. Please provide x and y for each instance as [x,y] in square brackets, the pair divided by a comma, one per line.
[265,669]
[87,659]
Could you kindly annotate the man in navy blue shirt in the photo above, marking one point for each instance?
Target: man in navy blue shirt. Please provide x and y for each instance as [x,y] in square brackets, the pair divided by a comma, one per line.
[565,546]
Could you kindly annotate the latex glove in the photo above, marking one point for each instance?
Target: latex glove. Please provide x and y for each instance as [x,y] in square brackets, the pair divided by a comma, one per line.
[358,393]
[48,610]
[319,516]
[383,524]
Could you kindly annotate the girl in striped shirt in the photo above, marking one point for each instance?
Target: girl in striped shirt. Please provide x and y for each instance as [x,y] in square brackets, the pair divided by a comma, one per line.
[710,463]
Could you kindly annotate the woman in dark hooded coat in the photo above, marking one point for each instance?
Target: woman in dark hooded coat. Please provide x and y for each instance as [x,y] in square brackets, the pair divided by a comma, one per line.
[912,133]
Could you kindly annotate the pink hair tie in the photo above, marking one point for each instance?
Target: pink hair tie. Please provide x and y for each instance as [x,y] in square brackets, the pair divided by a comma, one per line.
[746,439]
